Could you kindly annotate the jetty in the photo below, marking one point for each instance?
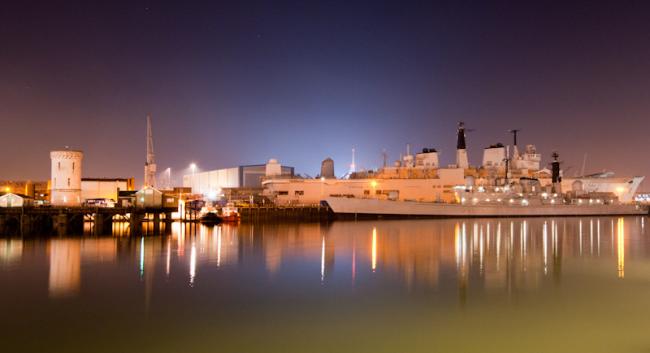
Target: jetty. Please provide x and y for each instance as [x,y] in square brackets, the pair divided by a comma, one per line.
[59,221]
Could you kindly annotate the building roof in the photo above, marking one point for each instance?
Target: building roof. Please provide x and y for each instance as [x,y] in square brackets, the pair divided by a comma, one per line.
[106,179]
[16,194]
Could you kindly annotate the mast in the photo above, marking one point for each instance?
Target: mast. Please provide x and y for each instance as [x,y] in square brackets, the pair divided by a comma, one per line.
[507,162]
[461,147]
[515,152]
[556,178]
[460,140]
[150,164]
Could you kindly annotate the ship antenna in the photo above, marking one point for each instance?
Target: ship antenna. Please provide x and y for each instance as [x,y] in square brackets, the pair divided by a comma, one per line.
[515,148]
[507,160]
[514,135]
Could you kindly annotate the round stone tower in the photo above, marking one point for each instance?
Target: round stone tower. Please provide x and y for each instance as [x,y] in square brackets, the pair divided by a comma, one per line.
[66,178]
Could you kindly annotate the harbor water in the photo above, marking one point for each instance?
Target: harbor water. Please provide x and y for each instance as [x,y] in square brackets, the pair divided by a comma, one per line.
[456,285]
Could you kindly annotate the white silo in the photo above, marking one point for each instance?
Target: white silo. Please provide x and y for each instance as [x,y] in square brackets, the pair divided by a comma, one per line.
[66,178]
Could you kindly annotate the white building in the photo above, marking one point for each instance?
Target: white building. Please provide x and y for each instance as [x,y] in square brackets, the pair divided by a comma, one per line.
[211,183]
[148,197]
[14,200]
[66,178]
[285,191]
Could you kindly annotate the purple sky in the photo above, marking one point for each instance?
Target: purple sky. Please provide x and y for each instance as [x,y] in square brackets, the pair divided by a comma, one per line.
[241,82]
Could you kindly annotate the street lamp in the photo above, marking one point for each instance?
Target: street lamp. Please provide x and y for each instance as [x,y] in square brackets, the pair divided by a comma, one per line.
[193,169]
[169,178]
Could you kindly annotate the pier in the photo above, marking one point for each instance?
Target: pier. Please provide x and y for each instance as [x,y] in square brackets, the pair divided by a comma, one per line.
[59,221]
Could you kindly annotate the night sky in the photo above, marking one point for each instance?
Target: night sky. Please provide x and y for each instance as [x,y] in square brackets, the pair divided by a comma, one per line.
[241,82]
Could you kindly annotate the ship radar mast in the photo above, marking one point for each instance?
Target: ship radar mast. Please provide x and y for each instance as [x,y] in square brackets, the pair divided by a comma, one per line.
[460,140]
[515,152]
[556,178]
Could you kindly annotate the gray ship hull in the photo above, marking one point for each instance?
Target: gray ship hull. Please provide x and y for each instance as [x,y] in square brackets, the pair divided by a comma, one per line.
[376,207]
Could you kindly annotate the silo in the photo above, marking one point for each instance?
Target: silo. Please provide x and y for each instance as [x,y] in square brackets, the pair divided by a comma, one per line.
[66,178]
[327,169]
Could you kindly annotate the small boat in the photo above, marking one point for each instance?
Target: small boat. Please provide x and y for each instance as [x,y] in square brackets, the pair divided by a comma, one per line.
[229,213]
[209,216]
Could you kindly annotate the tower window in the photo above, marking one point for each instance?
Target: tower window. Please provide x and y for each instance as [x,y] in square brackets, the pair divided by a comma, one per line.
[73,166]
[68,181]
[59,165]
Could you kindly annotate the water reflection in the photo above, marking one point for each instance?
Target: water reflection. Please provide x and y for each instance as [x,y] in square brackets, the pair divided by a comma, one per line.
[11,250]
[620,245]
[66,256]
[65,267]
[495,254]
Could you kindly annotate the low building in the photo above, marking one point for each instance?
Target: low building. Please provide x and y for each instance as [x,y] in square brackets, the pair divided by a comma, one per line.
[105,188]
[15,200]
[126,198]
[38,190]
[211,184]
[295,191]
[148,197]
[245,195]
[170,198]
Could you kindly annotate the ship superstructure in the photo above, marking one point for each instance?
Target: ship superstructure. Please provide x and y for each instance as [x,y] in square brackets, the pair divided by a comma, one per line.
[505,177]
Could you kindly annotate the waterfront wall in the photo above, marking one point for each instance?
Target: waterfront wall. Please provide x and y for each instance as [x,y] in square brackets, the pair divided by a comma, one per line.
[289,213]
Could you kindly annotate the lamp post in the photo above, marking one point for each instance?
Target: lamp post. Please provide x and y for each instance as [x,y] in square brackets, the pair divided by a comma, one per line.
[193,169]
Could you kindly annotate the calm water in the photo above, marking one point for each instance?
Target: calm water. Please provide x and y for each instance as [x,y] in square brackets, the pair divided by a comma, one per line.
[487,285]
